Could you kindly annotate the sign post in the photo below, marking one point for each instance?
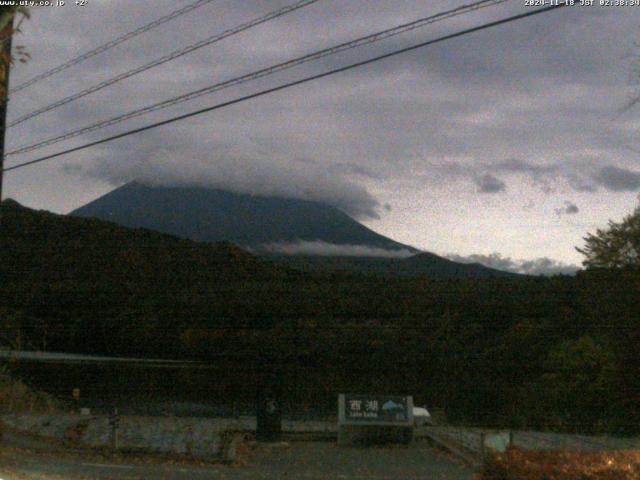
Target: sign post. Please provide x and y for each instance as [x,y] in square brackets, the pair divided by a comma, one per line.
[269,408]
[374,418]
[75,393]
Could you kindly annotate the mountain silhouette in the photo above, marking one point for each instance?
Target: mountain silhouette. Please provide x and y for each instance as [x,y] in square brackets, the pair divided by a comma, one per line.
[249,221]
[259,223]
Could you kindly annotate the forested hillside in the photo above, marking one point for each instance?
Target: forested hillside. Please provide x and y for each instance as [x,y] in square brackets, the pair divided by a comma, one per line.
[555,352]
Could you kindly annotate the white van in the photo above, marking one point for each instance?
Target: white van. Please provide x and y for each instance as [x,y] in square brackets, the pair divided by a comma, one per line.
[421,417]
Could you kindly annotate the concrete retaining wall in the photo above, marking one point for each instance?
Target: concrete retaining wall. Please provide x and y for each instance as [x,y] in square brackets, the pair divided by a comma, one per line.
[201,438]
[197,437]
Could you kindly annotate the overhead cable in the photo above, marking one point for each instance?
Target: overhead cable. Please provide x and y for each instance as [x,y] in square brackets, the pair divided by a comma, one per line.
[290,84]
[164,59]
[109,45]
[368,39]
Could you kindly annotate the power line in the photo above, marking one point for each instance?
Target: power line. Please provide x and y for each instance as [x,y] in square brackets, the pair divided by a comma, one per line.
[111,44]
[166,58]
[290,84]
[368,39]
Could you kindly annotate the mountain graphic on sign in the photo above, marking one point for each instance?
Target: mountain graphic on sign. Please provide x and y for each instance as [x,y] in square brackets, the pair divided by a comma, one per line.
[391,405]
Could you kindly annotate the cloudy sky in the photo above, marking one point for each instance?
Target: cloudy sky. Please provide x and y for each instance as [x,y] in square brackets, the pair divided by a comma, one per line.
[505,145]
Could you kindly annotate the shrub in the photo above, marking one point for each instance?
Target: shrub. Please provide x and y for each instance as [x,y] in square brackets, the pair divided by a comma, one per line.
[16,397]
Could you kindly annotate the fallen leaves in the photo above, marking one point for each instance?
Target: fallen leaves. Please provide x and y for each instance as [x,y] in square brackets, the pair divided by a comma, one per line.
[516,464]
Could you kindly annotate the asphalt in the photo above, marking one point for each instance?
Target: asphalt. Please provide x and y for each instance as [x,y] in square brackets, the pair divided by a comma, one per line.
[24,458]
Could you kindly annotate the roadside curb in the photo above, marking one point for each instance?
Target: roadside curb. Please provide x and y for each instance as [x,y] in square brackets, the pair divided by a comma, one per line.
[310,436]
[229,453]
[454,449]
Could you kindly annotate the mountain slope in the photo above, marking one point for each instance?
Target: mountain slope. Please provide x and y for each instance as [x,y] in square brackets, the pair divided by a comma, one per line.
[426,264]
[216,215]
[261,223]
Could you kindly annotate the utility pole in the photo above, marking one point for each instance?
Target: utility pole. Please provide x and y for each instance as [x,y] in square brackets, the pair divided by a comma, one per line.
[6,35]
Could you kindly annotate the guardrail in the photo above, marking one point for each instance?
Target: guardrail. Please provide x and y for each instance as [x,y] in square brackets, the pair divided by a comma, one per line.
[469,443]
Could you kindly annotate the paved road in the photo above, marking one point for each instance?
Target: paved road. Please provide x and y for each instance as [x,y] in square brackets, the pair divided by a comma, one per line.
[296,460]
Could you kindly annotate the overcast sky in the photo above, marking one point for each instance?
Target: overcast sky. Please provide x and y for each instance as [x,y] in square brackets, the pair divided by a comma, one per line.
[508,144]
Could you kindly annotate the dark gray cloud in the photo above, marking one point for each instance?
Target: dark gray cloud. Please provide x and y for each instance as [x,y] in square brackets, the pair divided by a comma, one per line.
[541,175]
[242,171]
[581,184]
[514,165]
[487,183]
[569,208]
[539,266]
[533,104]
[581,176]
[618,179]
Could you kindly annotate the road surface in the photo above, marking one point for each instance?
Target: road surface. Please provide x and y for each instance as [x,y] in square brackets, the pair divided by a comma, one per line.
[308,460]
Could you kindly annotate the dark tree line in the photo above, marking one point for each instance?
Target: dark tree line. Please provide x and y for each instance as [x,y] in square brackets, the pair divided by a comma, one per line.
[531,352]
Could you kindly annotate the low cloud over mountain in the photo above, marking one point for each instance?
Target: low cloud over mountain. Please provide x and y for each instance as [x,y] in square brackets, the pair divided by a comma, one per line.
[221,168]
[538,266]
[327,249]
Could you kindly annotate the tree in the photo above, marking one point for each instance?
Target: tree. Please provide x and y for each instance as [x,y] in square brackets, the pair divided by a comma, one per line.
[12,329]
[7,29]
[578,388]
[616,247]
[7,14]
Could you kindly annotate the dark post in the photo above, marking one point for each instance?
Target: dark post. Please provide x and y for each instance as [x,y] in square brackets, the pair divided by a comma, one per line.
[7,36]
[269,407]
[75,393]
[114,420]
